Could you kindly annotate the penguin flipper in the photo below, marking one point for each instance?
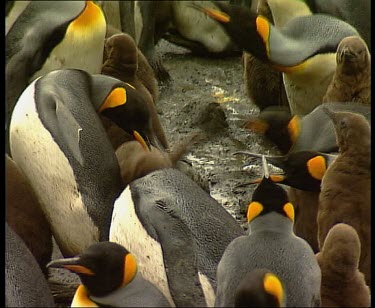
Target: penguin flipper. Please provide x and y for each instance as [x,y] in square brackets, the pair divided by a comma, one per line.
[70,129]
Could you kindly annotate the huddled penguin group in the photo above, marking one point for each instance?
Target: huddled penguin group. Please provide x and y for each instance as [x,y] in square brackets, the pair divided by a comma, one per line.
[90,166]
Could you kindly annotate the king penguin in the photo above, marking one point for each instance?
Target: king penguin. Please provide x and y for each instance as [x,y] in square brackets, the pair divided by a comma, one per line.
[109,277]
[303,169]
[346,186]
[49,36]
[343,285]
[270,244]
[303,48]
[260,288]
[25,284]
[59,143]
[177,232]
[313,131]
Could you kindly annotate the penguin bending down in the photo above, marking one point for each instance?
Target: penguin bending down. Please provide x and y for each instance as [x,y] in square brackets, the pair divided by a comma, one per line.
[346,186]
[177,232]
[49,36]
[303,48]
[343,285]
[303,169]
[313,132]
[25,284]
[59,143]
[260,288]
[121,61]
[352,79]
[109,277]
[270,244]
[25,216]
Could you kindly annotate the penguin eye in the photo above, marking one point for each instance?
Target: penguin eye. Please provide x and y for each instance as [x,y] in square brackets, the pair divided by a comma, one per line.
[343,124]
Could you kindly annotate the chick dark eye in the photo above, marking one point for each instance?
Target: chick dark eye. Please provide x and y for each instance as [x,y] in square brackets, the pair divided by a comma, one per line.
[342,124]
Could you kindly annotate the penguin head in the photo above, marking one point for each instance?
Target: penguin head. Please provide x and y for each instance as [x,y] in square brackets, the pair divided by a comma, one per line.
[246,29]
[120,56]
[129,111]
[260,288]
[277,125]
[352,55]
[103,267]
[341,250]
[269,197]
[352,130]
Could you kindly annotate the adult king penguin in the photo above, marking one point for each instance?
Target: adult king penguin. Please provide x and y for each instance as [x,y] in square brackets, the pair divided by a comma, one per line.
[59,143]
[51,35]
[177,232]
[270,244]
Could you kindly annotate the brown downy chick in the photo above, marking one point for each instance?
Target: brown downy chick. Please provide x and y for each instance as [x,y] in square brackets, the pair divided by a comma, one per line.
[352,79]
[343,285]
[123,60]
[136,159]
[346,186]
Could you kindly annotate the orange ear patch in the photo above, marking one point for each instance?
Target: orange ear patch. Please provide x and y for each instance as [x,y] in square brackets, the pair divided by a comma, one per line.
[130,268]
[256,125]
[273,286]
[317,167]
[116,98]
[263,29]
[254,209]
[294,128]
[289,210]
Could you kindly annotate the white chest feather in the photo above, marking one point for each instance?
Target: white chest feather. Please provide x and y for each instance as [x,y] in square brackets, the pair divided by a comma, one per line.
[51,176]
[127,230]
[80,49]
[305,88]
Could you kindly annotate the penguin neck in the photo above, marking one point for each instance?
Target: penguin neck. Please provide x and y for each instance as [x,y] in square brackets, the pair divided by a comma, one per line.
[271,222]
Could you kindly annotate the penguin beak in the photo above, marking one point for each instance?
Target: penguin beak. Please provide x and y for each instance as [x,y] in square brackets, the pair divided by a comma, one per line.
[215,14]
[330,114]
[144,142]
[71,264]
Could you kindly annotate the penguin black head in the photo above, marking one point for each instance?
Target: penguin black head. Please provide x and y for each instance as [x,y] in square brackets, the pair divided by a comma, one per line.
[352,55]
[102,268]
[302,170]
[277,125]
[246,29]
[260,288]
[269,197]
[352,130]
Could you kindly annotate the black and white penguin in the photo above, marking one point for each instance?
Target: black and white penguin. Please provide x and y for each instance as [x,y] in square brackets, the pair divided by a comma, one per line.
[313,131]
[25,284]
[177,232]
[270,244]
[303,169]
[303,48]
[109,277]
[49,36]
[59,143]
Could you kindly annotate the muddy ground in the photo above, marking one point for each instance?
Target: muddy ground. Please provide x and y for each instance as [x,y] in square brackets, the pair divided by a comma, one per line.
[207,94]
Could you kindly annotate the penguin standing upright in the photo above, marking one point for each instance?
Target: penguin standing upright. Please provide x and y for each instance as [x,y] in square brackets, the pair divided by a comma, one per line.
[59,143]
[343,285]
[49,36]
[25,285]
[109,277]
[303,49]
[346,186]
[177,232]
[270,244]
[352,79]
